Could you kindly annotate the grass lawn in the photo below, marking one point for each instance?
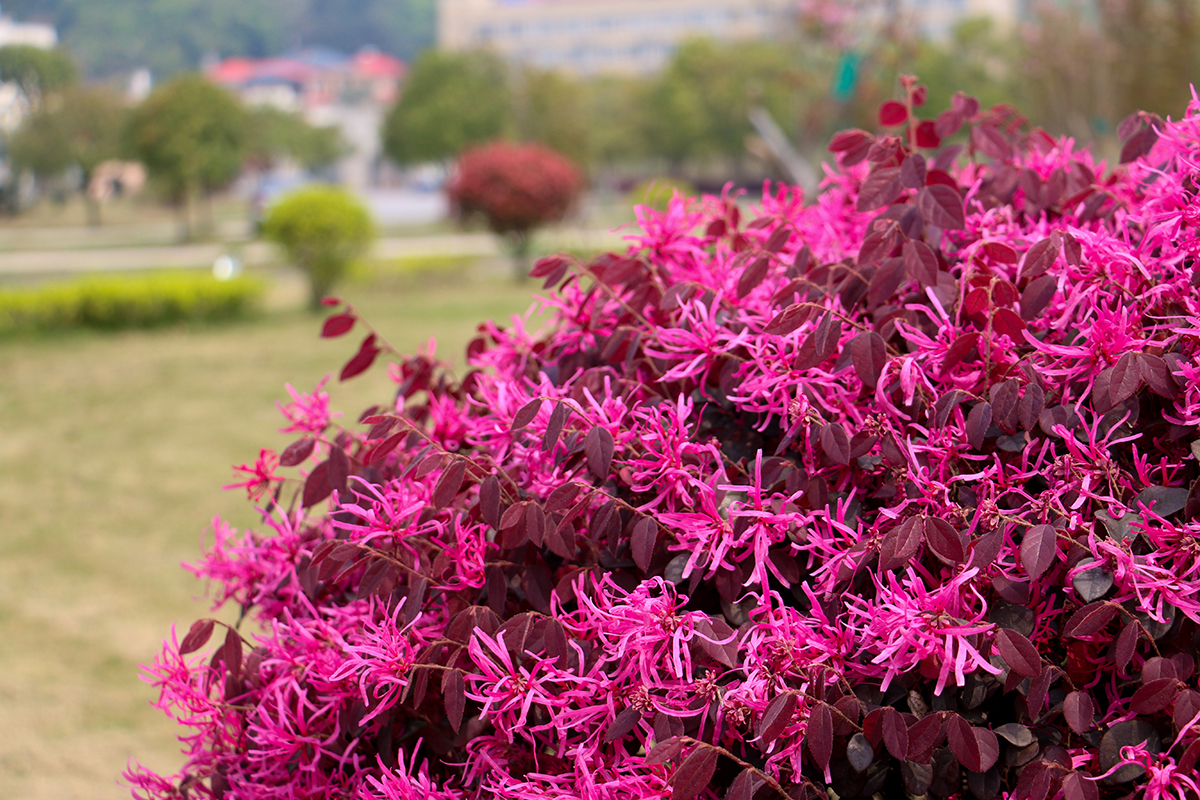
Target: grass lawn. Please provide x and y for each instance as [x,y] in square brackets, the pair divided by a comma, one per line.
[113,449]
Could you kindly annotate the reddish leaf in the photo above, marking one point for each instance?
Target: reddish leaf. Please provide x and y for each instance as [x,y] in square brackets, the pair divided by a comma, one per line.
[776,717]
[664,751]
[879,189]
[695,773]
[892,113]
[363,359]
[626,721]
[1157,376]
[901,544]
[1091,619]
[297,452]
[1007,322]
[642,541]
[912,171]
[744,786]
[197,636]
[1126,644]
[849,140]
[562,497]
[958,350]
[1077,786]
[489,500]
[927,135]
[788,320]
[924,735]
[836,443]
[1078,711]
[978,421]
[525,414]
[921,263]
[1154,696]
[1125,379]
[895,733]
[946,541]
[885,282]
[1072,250]
[337,325]
[976,301]
[339,468]
[1037,296]
[1039,550]
[455,695]
[449,482]
[990,141]
[819,735]
[1031,406]
[868,353]
[1005,398]
[386,446]
[1187,705]
[942,206]
[754,274]
[1000,252]
[598,445]
[317,486]
[975,748]
[558,418]
[231,652]
[1019,653]
[714,630]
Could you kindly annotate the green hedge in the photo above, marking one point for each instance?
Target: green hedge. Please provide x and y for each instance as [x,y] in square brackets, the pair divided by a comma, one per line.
[141,301]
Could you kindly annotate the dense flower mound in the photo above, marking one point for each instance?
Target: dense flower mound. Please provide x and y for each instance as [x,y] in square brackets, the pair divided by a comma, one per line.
[895,492]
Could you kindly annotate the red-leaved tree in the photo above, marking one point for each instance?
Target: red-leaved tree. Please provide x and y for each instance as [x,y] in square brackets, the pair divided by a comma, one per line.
[516,188]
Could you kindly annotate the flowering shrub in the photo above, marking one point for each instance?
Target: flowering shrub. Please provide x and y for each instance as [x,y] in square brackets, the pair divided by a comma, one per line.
[892,492]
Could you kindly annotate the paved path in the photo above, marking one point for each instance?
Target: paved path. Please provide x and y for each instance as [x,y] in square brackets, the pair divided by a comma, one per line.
[48,262]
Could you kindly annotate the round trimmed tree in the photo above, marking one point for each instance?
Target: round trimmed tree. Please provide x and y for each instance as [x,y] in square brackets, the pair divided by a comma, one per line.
[323,230]
[515,188]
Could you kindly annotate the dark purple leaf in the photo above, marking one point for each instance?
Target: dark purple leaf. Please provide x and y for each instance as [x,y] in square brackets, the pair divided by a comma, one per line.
[714,630]
[339,468]
[695,773]
[1037,296]
[1077,786]
[1157,376]
[664,751]
[1039,258]
[959,349]
[1031,406]
[778,239]
[449,482]
[859,752]
[924,735]
[753,274]
[1078,711]
[744,785]
[978,422]
[945,406]
[819,735]
[1039,550]
[868,353]
[1126,644]
[598,445]
[836,443]
[885,282]
[455,695]
[626,721]
[197,636]
[525,414]
[316,485]
[788,320]
[901,543]
[558,418]
[946,541]
[642,541]
[776,717]
[297,452]
[489,500]
[895,733]
[912,171]
[1019,653]
[1091,619]
[1125,378]
[975,748]
[1005,399]
[1154,696]
[877,246]
[879,189]
[921,262]
[231,652]
[942,206]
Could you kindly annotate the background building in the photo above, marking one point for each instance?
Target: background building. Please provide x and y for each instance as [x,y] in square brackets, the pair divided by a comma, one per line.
[593,36]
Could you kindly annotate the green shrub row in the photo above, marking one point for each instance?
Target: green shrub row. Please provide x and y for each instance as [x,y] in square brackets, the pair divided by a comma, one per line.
[141,301]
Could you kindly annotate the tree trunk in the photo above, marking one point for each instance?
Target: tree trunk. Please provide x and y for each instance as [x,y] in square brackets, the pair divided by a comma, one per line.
[519,244]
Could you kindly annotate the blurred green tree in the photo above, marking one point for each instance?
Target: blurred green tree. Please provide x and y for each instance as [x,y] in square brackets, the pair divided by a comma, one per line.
[82,128]
[276,134]
[37,71]
[450,101]
[323,229]
[192,137]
